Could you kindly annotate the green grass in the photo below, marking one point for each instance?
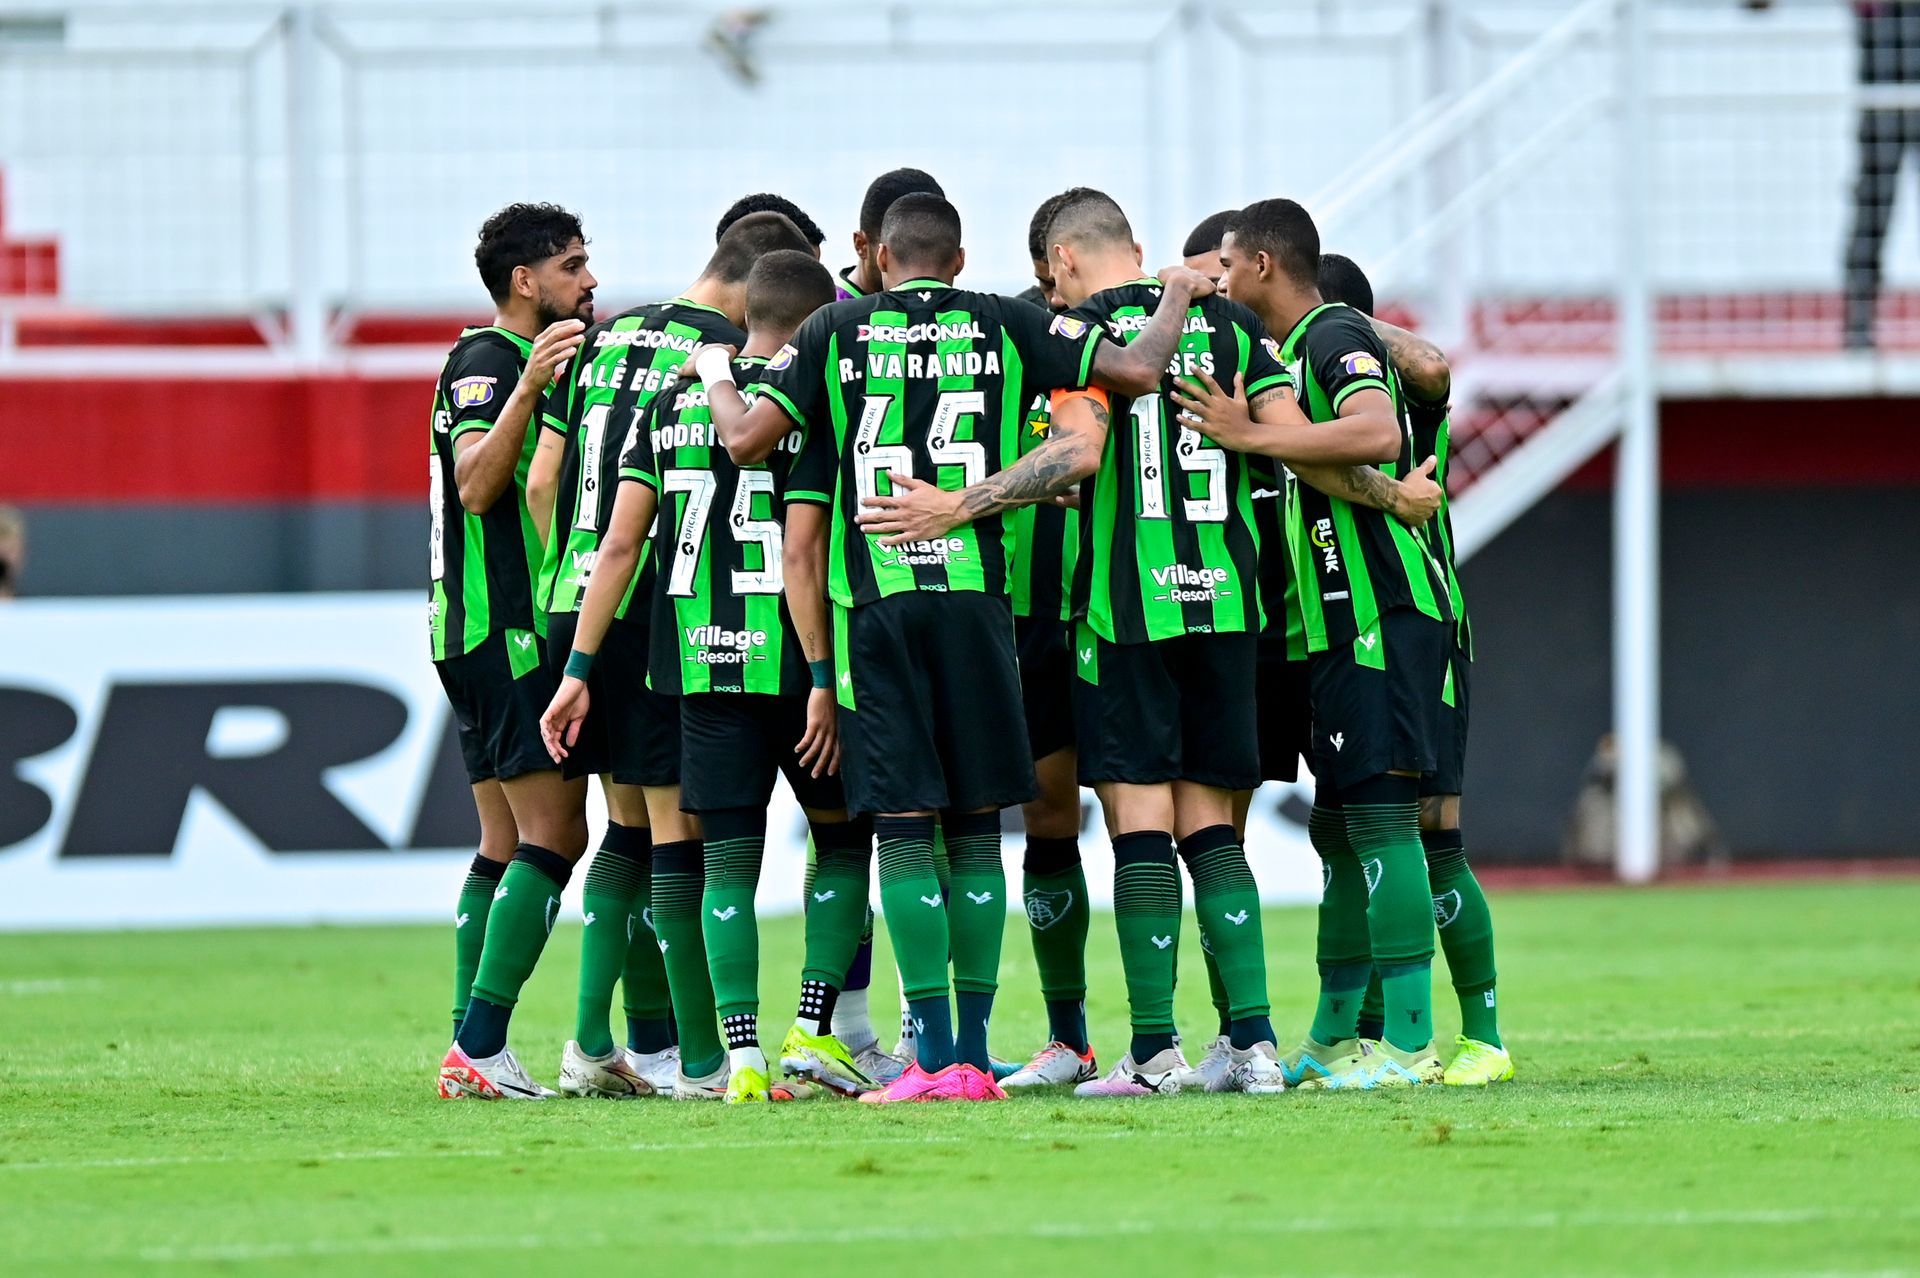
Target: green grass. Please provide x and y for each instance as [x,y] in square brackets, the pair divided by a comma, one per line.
[1712,1080]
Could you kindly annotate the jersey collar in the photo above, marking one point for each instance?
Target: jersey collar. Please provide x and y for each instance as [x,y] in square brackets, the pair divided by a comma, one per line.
[698,306]
[526,347]
[847,285]
[907,286]
[1305,320]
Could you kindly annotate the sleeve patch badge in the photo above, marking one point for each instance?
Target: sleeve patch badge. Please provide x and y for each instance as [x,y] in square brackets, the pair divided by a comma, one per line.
[1273,348]
[471,391]
[1068,327]
[1362,364]
[782,358]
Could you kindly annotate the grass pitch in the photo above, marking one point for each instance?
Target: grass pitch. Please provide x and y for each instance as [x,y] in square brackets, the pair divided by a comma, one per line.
[1712,1080]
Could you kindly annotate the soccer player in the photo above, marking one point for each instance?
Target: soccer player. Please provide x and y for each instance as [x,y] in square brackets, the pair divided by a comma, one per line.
[863,277]
[1280,679]
[1167,619]
[632,738]
[1459,905]
[924,384]
[724,644]
[767,202]
[1377,623]
[483,552]
[1046,542]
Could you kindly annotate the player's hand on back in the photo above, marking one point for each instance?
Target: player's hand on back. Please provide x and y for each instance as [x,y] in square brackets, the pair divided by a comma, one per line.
[1223,418]
[915,511]
[690,367]
[1419,497]
[1198,285]
[551,351]
[819,747]
[560,725]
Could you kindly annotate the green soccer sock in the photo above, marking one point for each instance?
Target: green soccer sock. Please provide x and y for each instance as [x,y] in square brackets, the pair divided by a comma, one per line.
[942,860]
[1216,988]
[470,929]
[1373,1007]
[678,872]
[1383,827]
[644,994]
[977,925]
[736,842]
[1227,902]
[606,901]
[1466,933]
[917,925]
[1146,914]
[524,907]
[836,914]
[1054,887]
[1343,949]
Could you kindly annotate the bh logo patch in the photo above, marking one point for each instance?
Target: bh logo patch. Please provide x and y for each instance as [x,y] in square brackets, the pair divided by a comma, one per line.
[469,391]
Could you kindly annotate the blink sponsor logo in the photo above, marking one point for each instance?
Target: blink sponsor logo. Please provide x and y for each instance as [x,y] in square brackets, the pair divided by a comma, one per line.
[719,646]
[1189,585]
[1323,540]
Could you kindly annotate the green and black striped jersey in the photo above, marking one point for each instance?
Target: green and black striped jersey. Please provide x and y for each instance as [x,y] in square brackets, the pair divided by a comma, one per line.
[720,621]
[929,380]
[1046,541]
[1352,562]
[480,567]
[622,365]
[1168,543]
[1433,437]
[1282,637]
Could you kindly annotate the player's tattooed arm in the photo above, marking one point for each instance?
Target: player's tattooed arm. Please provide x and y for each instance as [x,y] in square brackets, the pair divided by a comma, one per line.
[917,511]
[1413,500]
[1136,368]
[483,463]
[1274,426]
[1422,365]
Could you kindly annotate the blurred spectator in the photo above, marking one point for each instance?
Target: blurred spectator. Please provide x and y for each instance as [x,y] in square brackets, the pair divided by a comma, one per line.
[13,551]
[1889,40]
[1688,835]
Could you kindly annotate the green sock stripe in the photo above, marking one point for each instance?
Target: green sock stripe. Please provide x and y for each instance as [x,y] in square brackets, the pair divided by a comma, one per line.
[1146,888]
[974,854]
[676,895]
[1370,825]
[734,863]
[1221,870]
[611,874]
[905,859]
[1327,831]
[1445,865]
[479,883]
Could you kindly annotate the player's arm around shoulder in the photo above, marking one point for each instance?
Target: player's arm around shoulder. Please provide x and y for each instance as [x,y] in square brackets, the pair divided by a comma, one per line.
[917,511]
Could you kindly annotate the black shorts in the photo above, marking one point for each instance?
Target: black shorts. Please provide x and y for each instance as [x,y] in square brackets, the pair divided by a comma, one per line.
[631,732]
[1046,683]
[1178,709]
[1450,767]
[1383,716]
[1285,712]
[497,701]
[929,691]
[732,746]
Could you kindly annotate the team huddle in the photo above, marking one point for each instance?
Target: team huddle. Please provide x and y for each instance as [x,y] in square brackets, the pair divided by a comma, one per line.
[929,554]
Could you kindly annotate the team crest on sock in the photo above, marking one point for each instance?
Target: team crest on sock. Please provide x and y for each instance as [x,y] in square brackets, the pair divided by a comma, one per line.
[1044,909]
[1373,871]
[1446,907]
